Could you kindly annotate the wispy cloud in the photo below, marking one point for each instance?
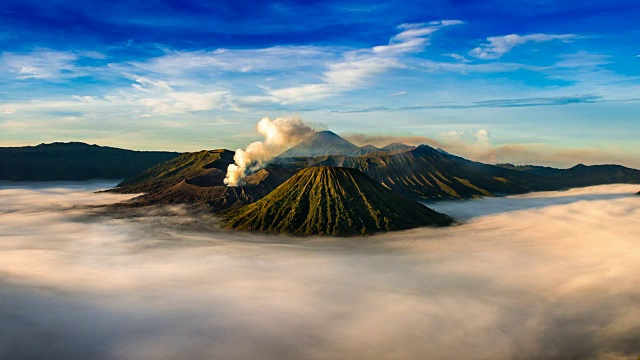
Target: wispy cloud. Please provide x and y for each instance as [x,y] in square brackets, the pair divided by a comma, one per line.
[46,64]
[183,102]
[539,101]
[147,84]
[358,66]
[269,59]
[498,103]
[500,45]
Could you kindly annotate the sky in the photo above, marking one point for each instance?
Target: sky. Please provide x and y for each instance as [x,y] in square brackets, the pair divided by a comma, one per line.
[538,81]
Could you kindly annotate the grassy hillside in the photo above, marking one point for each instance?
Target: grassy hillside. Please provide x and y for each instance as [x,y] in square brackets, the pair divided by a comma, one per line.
[332,201]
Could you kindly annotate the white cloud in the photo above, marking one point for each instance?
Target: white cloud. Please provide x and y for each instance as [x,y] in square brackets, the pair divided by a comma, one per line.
[399,93]
[181,81]
[234,60]
[340,77]
[465,67]
[157,97]
[85,98]
[500,45]
[147,84]
[358,66]
[42,64]
[457,57]
[161,98]
[447,22]
[7,109]
[46,64]
[353,72]
[582,59]
[183,102]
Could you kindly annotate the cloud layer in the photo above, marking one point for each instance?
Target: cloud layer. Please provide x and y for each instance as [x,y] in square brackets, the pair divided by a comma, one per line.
[546,275]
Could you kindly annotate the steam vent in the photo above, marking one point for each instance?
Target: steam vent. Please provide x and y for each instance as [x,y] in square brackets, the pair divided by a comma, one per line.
[332,201]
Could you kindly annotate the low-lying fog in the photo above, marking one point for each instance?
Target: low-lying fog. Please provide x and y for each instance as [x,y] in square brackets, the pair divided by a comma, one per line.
[541,276]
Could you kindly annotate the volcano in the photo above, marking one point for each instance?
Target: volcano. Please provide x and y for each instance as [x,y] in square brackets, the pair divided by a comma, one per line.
[332,201]
[325,143]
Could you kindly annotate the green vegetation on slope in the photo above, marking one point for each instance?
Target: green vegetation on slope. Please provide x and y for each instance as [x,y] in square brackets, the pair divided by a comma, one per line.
[75,161]
[332,201]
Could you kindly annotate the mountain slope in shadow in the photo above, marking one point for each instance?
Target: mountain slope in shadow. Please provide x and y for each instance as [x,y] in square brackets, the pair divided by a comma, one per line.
[75,161]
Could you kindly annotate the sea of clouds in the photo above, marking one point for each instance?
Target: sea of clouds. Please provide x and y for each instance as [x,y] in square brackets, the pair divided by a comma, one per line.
[540,276]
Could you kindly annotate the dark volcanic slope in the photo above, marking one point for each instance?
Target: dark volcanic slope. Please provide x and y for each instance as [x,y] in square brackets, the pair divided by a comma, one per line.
[198,179]
[216,195]
[207,167]
[75,161]
[332,201]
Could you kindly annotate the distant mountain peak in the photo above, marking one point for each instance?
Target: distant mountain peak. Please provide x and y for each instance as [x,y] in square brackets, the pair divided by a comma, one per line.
[325,133]
[327,137]
[398,146]
[322,143]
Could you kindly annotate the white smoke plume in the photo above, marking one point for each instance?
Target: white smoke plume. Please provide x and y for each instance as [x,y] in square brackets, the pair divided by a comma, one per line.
[279,134]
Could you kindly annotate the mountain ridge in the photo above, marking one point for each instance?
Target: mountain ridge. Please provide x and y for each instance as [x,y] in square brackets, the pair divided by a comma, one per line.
[423,173]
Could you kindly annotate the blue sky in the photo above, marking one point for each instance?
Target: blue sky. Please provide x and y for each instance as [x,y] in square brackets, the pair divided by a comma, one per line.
[545,82]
